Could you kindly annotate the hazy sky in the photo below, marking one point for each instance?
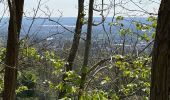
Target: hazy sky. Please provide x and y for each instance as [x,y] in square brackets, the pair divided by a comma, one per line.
[69,7]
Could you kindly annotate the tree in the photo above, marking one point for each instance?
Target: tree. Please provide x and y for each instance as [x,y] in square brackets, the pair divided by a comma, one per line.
[160,72]
[87,47]
[12,50]
[75,44]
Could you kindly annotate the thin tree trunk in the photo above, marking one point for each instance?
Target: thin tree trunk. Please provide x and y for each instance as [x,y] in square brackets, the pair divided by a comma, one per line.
[160,82]
[87,48]
[75,44]
[10,77]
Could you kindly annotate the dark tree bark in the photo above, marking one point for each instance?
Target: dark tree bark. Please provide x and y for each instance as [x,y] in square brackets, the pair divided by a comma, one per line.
[10,77]
[87,48]
[77,35]
[75,44]
[160,82]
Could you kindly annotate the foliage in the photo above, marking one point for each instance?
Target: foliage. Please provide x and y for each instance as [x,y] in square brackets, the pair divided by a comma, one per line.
[27,85]
[132,78]
[124,76]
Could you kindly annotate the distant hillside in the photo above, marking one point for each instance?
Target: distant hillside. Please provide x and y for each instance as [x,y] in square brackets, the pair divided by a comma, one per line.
[43,27]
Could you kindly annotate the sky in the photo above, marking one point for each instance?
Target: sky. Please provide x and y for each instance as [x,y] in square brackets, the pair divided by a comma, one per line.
[68,8]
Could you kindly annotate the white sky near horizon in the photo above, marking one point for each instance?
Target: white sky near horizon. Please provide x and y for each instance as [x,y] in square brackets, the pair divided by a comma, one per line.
[69,7]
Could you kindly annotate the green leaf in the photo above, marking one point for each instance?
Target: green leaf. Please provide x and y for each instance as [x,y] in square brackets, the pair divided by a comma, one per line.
[111,24]
[21,89]
[154,24]
[122,32]
[138,26]
[151,18]
[118,18]
[153,35]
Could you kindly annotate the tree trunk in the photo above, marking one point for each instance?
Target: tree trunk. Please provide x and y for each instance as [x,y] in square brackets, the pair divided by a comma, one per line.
[10,77]
[87,48]
[77,35]
[160,82]
[75,44]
